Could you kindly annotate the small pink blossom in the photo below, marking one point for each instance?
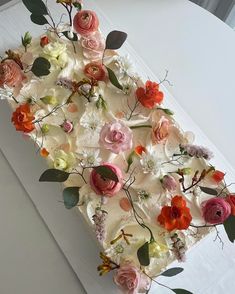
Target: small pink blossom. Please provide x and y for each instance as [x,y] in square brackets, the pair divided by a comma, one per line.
[215,210]
[116,137]
[93,46]
[106,187]
[169,183]
[131,280]
[161,131]
[67,126]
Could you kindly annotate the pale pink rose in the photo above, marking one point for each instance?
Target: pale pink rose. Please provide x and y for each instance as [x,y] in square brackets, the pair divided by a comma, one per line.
[161,131]
[169,183]
[93,46]
[106,187]
[86,22]
[10,74]
[215,210]
[131,280]
[116,137]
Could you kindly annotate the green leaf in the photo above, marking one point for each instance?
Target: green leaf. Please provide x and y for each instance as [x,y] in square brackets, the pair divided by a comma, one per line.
[36,6]
[71,197]
[229,226]
[41,67]
[209,191]
[113,79]
[78,6]
[66,34]
[166,110]
[115,39]
[181,291]
[143,254]
[38,19]
[172,272]
[54,175]
[106,173]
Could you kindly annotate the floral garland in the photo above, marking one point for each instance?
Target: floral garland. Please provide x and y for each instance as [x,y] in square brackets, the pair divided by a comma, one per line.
[52,121]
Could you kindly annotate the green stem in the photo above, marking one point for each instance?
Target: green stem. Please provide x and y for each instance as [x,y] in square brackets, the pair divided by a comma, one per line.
[140,126]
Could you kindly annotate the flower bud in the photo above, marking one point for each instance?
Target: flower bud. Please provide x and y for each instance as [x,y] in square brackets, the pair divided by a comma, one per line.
[51,100]
[67,126]
[44,41]
[45,128]
[169,183]
[185,171]
[26,40]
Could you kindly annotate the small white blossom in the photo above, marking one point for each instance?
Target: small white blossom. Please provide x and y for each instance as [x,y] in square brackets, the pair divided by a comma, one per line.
[150,162]
[125,65]
[89,157]
[91,120]
[5,93]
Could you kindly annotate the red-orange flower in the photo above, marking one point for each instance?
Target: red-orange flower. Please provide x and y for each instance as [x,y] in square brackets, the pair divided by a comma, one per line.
[22,118]
[150,95]
[44,41]
[140,149]
[217,176]
[177,216]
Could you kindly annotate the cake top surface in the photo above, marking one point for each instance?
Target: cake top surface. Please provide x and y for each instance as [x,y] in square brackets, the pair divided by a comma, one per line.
[142,184]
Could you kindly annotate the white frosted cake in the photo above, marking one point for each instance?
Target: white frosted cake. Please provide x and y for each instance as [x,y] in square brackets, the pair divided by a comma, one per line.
[147,192]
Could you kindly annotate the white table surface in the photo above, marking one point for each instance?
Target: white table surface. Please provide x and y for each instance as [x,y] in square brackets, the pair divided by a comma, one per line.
[198,50]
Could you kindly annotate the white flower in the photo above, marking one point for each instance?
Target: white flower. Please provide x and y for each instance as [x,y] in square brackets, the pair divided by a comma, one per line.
[91,120]
[5,93]
[64,161]
[56,53]
[150,162]
[125,65]
[89,157]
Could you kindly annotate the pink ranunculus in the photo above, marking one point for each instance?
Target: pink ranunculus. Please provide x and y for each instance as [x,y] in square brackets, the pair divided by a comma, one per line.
[131,280]
[106,187]
[161,131]
[215,210]
[96,71]
[93,46]
[10,74]
[169,183]
[116,137]
[86,22]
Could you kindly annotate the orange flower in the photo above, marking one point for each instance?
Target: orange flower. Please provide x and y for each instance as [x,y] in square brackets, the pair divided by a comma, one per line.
[22,118]
[44,152]
[44,41]
[150,95]
[176,216]
[140,149]
[96,71]
[217,176]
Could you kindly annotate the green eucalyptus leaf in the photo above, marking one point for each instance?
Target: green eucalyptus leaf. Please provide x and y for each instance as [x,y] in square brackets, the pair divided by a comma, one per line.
[41,67]
[143,254]
[66,34]
[181,291]
[229,226]
[166,110]
[113,79]
[115,40]
[77,5]
[106,173]
[54,175]
[209,191]
[36,6]
[172,272]
[38,19]
[71,197]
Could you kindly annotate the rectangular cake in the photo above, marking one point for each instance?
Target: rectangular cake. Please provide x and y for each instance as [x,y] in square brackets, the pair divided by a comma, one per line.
[146,190]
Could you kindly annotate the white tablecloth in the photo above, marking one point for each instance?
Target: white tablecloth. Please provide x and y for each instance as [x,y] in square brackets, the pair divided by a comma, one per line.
[197,49]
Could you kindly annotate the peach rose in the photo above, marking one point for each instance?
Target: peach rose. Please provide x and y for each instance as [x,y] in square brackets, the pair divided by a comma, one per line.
[93,46]
[103,186]
[10,74]
[96,71]
[86,22]
[161,131]
[131,280]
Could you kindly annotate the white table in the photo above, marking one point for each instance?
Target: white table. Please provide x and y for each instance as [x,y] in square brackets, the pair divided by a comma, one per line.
[198,50]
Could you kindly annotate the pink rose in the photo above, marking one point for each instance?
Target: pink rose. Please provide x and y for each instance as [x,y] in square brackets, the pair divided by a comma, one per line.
[96,71]
[169,183]
[215,210]
[93,46]
[10,74]
[103,186]
[85,22]
[116,136]
[161,131]
[131,280]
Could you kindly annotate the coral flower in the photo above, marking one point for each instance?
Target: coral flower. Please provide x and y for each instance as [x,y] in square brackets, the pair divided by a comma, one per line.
[95,70]
[22,118]
[176,216]
[217,176]
[140,149]
[150,95]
